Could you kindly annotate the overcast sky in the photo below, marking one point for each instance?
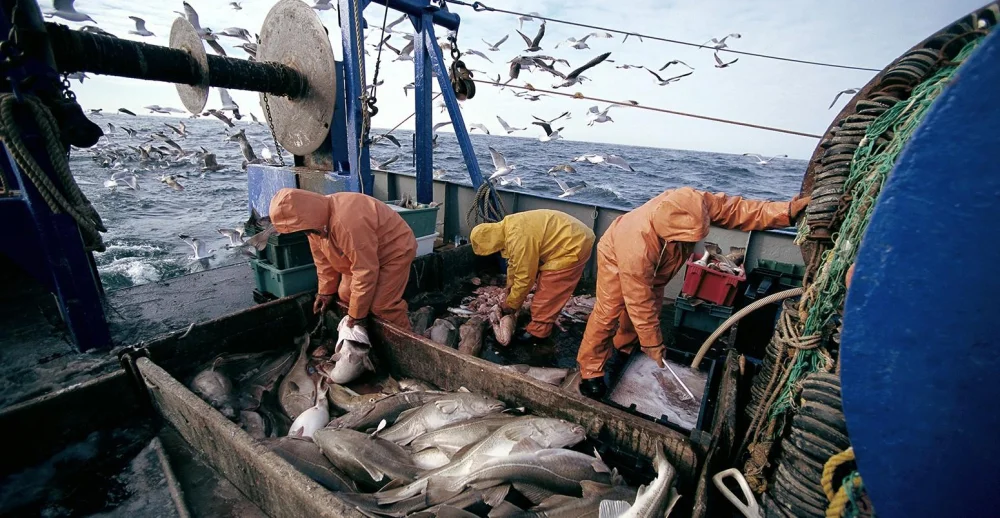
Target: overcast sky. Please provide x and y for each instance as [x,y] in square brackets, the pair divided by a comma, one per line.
[754,90]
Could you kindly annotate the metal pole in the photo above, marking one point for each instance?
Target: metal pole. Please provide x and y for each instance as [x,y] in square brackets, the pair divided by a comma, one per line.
[461,133]
[423,74]
[418,8]
[77,51]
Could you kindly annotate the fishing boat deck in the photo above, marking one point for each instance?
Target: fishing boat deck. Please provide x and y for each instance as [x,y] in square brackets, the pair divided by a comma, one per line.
[37,356]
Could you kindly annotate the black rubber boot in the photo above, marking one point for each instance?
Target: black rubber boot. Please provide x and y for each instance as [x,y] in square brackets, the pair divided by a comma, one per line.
[594,388]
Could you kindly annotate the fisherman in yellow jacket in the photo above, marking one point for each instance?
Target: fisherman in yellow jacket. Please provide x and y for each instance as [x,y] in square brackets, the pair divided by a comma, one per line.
[544,247]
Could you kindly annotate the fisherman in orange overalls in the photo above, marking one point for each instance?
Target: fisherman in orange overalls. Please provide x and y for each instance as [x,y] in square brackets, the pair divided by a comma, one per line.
[362,249]
[545,248]
[641,252]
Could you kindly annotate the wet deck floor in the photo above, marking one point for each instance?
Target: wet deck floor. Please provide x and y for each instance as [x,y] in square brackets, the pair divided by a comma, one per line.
[37,356]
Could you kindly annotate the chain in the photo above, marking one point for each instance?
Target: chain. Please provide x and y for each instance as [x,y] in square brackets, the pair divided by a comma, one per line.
[270,125]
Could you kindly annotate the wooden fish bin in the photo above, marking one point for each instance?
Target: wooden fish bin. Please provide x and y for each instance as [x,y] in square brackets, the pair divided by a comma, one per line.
[277,487]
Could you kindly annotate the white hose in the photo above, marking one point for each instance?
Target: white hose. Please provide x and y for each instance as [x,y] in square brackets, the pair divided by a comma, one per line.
[781,295]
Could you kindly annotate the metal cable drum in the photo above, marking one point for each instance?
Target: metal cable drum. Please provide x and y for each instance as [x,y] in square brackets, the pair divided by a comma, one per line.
[814,428]
[293,35]
[831,161]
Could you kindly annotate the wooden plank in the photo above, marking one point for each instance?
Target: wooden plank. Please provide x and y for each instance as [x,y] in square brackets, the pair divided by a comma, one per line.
[723,434]
[266,479]
[413,356]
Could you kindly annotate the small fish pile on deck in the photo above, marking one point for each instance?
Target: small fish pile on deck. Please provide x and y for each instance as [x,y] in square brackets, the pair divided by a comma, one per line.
[412,449]
[482,307]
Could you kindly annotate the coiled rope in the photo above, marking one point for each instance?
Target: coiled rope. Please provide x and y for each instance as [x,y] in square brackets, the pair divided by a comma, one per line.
[66,197]
[487,206]
[845,499]
[885,137]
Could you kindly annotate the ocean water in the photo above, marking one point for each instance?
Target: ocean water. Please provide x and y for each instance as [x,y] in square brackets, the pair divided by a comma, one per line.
[143,225]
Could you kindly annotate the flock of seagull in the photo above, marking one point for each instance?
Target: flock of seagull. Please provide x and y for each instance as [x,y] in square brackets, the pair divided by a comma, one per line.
[160,149]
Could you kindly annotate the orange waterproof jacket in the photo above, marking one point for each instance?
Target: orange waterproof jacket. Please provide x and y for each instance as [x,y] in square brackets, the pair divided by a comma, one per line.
[362,233]
[532,240]
[645,245]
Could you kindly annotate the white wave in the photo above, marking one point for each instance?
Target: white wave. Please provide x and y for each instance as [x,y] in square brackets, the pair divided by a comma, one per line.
[135,269]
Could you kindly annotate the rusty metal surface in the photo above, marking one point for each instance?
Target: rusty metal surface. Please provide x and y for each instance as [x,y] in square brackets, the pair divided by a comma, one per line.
[293,35]
[184,37]
[266,479]
[655,392]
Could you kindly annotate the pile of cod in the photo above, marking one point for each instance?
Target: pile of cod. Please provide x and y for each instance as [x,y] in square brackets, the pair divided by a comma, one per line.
[409,449]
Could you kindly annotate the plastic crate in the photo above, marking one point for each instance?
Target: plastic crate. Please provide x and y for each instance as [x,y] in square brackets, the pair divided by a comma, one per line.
[788,275]
[425,245]
[710,285]
[284,282]
[284,251]
[422,221]
[700,315]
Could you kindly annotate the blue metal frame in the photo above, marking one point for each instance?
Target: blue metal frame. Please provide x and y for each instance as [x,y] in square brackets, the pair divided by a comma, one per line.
[920,363]
[428,62]
[49,246]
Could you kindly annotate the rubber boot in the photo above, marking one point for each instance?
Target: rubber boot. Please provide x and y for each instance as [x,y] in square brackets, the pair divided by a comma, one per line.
[594,388]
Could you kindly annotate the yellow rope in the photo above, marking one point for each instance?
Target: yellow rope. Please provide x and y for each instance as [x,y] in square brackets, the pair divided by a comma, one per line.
[839,502]
[831,466]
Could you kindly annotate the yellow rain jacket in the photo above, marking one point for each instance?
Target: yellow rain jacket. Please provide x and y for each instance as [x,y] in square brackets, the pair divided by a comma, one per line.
[531,241]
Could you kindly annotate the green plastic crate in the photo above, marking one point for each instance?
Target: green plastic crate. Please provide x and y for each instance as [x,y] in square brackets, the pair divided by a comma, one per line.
[790,275]
[282,283]
[284,250]
[701,317]
[422,221]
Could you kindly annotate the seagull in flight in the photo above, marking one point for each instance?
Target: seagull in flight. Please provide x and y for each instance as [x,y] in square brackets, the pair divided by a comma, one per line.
[581,43]
[667,81]
[126,112]
[567,190]
[474,52]
[237,6]
[500,166]
[533,43]
[526,18]
[574,77]
[612,160]
[626,66]
[125,178]
[675,62]
[235,236]
[597,115]
[720,64]
[383,165]
[201,252]
[79,76]
[192,17]
[95,111]
[228,104]
[507,127]
[480,127]
[171,181]
[516,180]
[550,135]
[249,48]
[562,168]
[541,121]
[64,9]
[140,27]
[849,91]
[761,160]
[180,129]
[720,44]
[322,5]
[221,116]
[211,163]
[494,47]
[236,32]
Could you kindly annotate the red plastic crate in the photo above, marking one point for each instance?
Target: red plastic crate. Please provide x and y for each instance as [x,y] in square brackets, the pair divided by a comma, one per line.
[710,285]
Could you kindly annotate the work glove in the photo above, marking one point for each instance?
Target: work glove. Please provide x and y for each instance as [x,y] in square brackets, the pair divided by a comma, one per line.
[320,304]
[656,353]
[798,204]
[352,322]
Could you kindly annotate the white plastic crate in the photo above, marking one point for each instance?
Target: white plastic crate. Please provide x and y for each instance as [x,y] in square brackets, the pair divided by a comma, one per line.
[425,245]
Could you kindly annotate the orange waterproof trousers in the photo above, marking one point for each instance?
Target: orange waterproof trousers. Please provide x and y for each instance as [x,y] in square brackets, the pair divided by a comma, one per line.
[552,291]
[388,303]
[609,323]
